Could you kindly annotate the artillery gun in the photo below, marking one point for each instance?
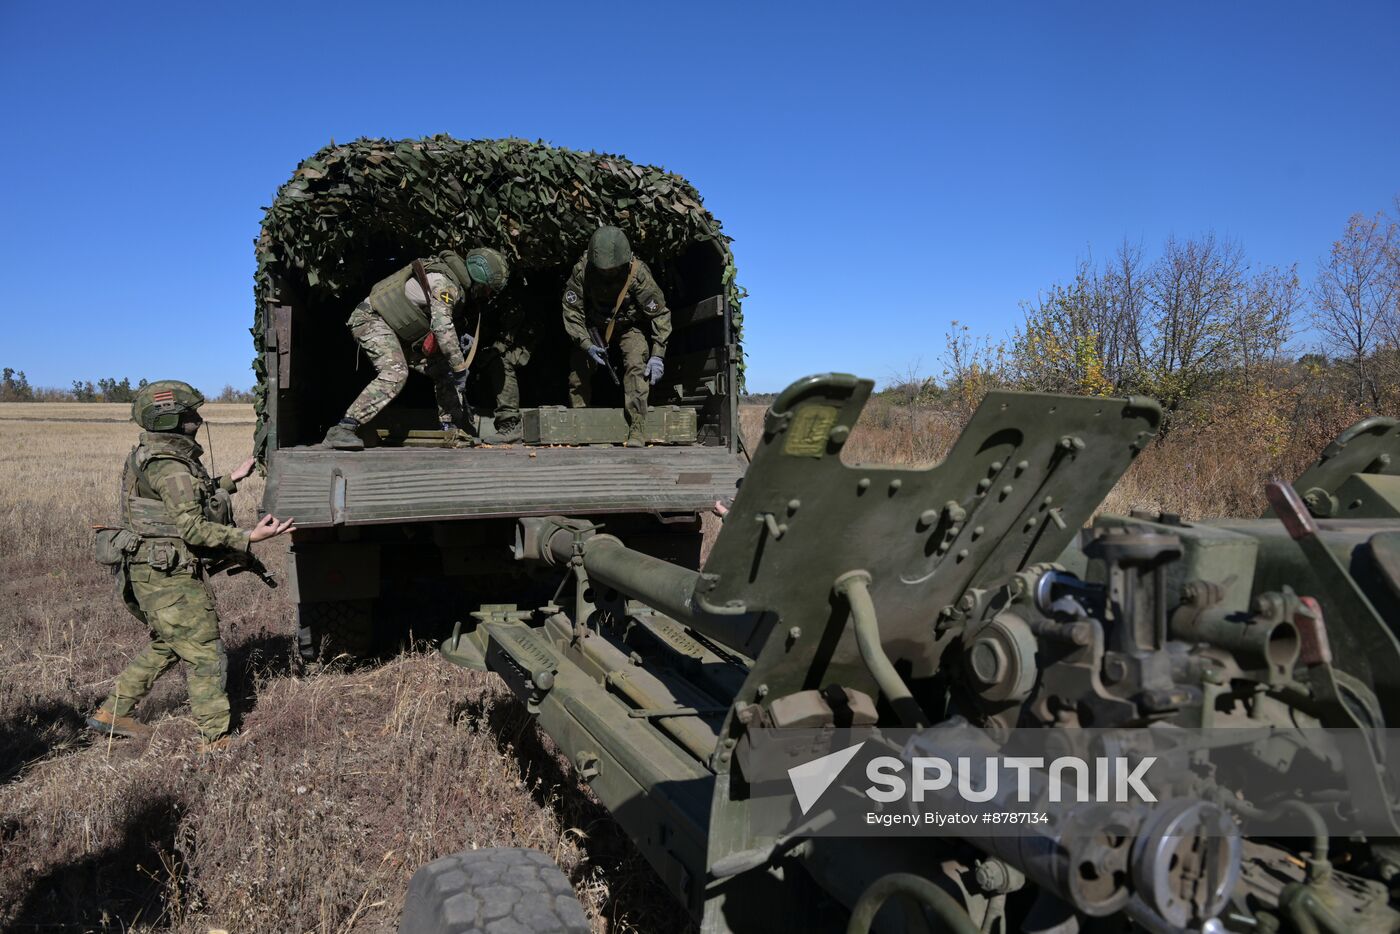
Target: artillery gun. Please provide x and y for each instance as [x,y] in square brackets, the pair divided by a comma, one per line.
[972,603]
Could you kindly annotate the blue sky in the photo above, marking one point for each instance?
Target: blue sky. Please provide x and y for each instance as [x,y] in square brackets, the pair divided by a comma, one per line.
[142,141]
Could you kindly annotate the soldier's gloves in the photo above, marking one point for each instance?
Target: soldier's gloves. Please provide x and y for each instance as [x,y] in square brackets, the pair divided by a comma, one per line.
[598,355]
[465,341]
[459,381]
[654,369]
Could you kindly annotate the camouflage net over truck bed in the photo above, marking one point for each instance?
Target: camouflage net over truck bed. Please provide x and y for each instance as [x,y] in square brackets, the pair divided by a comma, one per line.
[349,206]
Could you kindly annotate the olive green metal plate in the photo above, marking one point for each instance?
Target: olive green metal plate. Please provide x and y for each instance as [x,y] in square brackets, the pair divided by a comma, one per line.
[554,424]
[1025,475]
[1370,447]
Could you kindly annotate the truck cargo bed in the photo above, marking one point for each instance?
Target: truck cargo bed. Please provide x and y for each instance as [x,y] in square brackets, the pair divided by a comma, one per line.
[320,487]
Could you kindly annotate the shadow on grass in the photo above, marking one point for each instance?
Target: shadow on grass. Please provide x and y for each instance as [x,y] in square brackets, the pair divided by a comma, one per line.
[634,889]
[138,879]
[253,662]
[35,733]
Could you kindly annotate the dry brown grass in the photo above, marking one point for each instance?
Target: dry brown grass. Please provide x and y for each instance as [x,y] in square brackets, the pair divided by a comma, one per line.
[1212,467]
[346,780]
[220,413]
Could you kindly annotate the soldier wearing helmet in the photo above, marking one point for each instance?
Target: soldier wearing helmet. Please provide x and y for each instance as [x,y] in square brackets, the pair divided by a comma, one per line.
[611,297]
[176,521]
[402,328]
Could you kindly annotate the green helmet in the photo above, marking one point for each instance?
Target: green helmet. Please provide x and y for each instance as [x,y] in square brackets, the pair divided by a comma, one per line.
[159,405]
[608,249]
[487,267]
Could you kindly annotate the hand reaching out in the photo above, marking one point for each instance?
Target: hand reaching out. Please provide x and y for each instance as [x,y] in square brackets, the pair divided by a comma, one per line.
[269,526]
[244,469]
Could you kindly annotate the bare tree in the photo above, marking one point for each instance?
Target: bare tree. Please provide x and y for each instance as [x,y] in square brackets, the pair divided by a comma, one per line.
[1263,322]
[1355,299]
[1169,328]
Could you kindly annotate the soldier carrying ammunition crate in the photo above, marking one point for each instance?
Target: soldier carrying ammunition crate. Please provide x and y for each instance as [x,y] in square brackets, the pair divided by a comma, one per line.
[409,321]
[611,294]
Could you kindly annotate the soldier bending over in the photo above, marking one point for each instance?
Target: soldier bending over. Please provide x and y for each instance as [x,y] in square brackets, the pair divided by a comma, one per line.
[402,328]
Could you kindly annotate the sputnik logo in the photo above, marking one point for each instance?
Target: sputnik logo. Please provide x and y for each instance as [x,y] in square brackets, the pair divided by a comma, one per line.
[810,780]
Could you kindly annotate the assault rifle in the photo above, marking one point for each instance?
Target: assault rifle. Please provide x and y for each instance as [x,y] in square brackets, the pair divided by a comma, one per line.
[597,339]
[239,563]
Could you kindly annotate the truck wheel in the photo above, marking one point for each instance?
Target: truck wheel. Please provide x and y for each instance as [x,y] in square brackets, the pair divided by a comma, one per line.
[335,627]
[498,889]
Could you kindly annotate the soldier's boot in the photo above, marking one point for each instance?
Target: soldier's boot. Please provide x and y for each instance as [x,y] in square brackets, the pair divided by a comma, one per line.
[220,744]
[342,437]
[506,433]
[104,721]
[634,437]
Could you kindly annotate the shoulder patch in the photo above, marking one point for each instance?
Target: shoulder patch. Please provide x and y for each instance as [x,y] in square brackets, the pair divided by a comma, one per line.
[446,296]
[179,486]
[571,297]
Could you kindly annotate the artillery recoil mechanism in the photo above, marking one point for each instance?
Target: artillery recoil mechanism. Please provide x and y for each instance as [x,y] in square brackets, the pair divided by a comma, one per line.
[986,593]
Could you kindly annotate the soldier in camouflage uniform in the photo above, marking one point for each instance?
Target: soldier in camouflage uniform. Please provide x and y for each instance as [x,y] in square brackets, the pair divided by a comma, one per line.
[511,351]
[612,293]
[402,329]
[176,521]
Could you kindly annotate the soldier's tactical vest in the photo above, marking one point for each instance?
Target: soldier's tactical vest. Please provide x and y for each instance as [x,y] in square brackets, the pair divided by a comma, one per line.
[143,511]
[408,320]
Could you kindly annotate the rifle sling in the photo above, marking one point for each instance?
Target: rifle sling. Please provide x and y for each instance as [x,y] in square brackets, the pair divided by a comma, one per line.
[621,297]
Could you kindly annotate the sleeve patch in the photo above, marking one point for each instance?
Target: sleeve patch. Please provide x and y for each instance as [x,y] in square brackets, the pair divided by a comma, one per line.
[179,487]
[571,297]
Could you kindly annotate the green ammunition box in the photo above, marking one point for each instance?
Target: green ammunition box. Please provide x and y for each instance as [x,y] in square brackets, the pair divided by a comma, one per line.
[555,424]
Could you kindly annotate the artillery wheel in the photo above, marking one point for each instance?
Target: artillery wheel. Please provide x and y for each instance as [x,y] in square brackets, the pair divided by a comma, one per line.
[498,889]
[335,627]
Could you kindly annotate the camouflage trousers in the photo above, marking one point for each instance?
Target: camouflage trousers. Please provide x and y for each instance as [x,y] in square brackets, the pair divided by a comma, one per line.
[505,383]
[392,363]
[634,348]
[184,625]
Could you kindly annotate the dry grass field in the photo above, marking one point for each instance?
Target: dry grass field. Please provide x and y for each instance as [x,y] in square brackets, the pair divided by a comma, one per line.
[346,780]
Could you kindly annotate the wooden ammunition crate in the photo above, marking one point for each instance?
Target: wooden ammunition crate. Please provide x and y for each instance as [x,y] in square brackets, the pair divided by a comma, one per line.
[556,424]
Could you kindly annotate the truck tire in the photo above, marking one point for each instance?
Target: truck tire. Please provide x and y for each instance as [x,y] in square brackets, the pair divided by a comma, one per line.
[498,890]
[335,627]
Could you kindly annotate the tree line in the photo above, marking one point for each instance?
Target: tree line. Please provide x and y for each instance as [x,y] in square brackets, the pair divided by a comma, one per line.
[15,387]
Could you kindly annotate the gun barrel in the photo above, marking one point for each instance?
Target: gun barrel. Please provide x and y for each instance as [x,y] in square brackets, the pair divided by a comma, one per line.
[661,585]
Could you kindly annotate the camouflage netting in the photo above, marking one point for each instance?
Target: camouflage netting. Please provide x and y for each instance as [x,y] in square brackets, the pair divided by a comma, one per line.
[348,205]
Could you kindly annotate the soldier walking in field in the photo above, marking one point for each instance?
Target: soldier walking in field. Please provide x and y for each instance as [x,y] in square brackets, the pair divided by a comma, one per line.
[611,295]
[176,528]
[410,321]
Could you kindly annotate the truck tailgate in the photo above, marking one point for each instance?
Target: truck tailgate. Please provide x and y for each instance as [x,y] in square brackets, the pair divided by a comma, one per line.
[320,487]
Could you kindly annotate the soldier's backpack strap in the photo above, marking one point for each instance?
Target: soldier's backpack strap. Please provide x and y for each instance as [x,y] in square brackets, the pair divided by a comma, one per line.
[621,297]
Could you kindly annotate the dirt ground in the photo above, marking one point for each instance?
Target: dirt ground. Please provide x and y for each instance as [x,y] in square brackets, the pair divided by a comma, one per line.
[346,780]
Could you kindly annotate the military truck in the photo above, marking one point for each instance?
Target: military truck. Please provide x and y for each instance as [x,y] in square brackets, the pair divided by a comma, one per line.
[851,609]
[390,538]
